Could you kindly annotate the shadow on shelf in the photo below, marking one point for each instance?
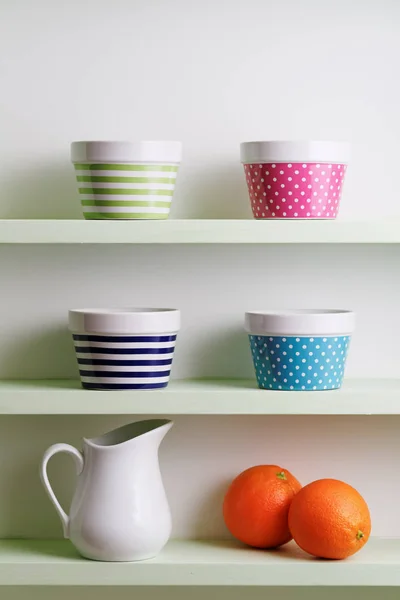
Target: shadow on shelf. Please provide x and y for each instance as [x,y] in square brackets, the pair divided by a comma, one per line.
[55,548]
[212,193]
[44,191]
[47,350]
[227,357]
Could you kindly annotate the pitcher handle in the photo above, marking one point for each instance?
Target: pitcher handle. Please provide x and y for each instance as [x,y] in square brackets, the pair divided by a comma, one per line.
[78,459]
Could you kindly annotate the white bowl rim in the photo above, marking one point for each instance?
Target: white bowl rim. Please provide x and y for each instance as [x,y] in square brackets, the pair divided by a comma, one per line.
[157,151]
[301,151]
[120,311]
[295,322]
[124,321]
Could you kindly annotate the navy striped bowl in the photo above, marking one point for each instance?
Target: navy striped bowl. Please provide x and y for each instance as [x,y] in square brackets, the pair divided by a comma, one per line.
[124,362]
[124,348]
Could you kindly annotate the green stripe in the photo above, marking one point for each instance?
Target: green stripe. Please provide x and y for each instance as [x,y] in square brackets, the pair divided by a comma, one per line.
[106,179]
[131,215]
[119,191]
[125,203]
[124,167]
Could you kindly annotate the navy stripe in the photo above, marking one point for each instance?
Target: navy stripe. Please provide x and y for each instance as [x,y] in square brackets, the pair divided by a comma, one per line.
[125,374]
[91,350]
[113,339]
[123,386]
[124,363]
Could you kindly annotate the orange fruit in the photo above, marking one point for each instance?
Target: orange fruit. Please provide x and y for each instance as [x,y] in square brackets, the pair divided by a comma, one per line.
[330,519]
[257,503]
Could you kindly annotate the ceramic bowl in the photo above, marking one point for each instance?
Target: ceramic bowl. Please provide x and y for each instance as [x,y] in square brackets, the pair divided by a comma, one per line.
[126,180]
[124,349]
[295,180]
[300,350]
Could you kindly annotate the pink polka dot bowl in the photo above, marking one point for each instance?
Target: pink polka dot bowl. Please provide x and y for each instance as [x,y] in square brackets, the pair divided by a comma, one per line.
[295,180]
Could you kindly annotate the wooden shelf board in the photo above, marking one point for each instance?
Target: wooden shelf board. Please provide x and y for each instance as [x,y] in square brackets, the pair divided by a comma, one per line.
[198,563]
[199,397]
[199,231]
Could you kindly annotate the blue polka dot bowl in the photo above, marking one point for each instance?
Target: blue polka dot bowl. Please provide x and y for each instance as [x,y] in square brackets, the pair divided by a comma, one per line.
[300,350]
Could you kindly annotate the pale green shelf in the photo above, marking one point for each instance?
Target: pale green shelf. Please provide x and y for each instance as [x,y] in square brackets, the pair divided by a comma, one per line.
[198,563]
[199,231]
[199,397]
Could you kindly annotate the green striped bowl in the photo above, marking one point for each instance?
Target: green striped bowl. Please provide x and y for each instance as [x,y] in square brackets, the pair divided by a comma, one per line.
[125,189]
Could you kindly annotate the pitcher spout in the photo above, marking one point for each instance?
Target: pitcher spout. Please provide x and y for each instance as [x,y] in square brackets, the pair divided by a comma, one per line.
[156,429]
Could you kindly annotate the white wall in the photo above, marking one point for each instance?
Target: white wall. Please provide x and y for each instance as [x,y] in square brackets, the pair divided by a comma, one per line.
[212,73]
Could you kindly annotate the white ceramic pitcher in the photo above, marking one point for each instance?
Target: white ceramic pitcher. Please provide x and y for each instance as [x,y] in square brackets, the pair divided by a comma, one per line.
[120,510]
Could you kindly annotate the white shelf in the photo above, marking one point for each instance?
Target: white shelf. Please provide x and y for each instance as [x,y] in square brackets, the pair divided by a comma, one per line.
[199,231]
[198,563]
[202,397]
